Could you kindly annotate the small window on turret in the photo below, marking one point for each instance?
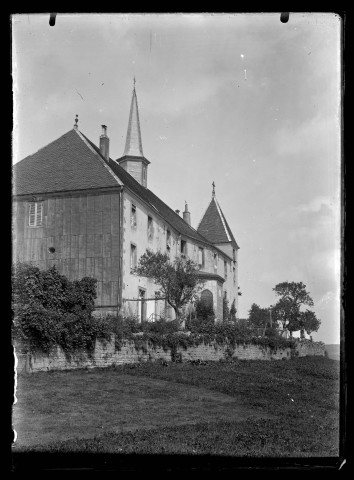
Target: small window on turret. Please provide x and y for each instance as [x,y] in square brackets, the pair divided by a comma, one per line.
[215,261]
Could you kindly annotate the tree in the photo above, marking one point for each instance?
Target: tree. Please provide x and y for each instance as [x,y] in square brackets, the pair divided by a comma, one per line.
[293,296]
[309,322]
[233,311]
[258,317]
[178,280]
[204,310]
[225,309]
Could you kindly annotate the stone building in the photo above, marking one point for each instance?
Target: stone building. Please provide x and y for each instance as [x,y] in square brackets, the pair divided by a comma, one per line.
[90,215]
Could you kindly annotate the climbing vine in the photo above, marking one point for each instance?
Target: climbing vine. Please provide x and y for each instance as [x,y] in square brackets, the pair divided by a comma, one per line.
[49,310]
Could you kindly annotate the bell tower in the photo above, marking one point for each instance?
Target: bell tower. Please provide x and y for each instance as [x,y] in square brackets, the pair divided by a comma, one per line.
[133,160]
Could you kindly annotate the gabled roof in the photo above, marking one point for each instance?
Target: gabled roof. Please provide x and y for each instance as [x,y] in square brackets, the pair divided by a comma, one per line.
[73,162]
[68,163]
[151,199]
[214,226]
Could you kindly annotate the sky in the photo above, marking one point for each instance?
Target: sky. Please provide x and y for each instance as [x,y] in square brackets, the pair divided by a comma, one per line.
[243,100]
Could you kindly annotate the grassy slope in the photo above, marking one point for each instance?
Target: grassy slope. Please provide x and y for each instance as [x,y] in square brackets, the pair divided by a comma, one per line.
[300,395]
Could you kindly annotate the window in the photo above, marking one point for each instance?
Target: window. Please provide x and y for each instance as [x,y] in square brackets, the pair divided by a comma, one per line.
[201,257]
[183,247]
[35,214]
[215,261]
[133,216]
[133,256]
[168,240]
[234,275]
[225,268]
[150,228]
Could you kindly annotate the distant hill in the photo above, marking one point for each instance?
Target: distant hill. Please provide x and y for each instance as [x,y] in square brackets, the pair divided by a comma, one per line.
[333,351]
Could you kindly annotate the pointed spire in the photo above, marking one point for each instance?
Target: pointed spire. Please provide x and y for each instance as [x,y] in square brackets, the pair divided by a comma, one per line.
[133,144]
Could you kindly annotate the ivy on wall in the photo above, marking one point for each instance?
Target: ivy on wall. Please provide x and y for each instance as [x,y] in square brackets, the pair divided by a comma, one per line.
[49,310]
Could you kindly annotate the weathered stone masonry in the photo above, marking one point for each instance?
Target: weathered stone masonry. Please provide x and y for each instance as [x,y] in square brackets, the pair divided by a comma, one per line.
[105,355]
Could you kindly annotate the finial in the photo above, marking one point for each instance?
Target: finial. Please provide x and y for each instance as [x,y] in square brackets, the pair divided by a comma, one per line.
[185,206]
[134,82]
[76,122]
[213,184]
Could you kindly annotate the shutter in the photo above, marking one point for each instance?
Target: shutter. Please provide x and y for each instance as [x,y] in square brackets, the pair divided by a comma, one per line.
[39,213]
[32,214]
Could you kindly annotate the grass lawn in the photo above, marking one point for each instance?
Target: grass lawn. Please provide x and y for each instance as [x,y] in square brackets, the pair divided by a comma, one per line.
[242,408]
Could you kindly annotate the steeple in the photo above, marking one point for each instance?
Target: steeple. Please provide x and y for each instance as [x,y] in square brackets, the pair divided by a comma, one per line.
[133,143]
[133,160]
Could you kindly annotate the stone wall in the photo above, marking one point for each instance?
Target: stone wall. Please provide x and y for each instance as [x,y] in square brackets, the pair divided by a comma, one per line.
[105,355]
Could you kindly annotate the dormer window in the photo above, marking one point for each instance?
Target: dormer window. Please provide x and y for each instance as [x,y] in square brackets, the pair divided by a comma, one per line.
[35,214]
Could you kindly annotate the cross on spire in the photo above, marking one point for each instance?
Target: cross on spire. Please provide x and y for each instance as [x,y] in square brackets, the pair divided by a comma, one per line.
[213,184]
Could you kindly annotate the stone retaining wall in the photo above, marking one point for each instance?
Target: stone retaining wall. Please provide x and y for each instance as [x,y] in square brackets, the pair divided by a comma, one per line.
[106,355]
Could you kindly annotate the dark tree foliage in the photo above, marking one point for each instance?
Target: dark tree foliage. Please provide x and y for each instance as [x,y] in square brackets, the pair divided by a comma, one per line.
[258,317]
[287,310]
[233,311]
[178,279]
[49,309]
[204,309]
[225,309]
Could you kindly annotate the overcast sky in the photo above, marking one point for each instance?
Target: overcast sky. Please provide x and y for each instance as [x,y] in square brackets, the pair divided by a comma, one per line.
[243,100]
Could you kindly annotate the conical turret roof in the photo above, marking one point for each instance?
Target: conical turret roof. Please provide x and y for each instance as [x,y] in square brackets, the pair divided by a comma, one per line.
[214,227]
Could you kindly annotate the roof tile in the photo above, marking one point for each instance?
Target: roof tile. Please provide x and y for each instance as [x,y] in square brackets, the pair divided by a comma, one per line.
[65,164]
[214,226]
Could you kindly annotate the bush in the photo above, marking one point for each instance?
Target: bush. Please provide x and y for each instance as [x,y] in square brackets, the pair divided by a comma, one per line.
[51,310]
[200,325]
[204,309]
[160,326]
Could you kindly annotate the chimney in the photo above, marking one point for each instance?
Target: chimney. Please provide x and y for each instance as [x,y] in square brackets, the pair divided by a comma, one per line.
[186,215]
[104,143]
[177,211]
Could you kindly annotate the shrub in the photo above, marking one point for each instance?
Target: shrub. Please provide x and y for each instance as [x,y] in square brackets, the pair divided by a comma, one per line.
[200,325]
[204,309]
[51,310]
